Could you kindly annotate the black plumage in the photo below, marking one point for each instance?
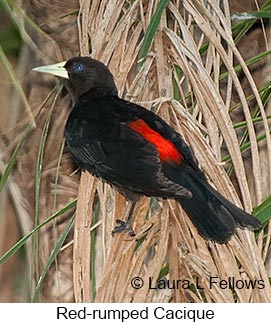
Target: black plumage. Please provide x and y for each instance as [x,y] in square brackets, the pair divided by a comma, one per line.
[139,153]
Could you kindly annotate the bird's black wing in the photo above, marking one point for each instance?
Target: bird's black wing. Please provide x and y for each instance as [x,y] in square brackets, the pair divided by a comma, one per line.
[160,126]
[119,155]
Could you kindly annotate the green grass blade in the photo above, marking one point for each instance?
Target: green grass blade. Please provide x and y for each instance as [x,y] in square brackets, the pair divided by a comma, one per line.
[263,211]
[243,124]
[39,168]
[16,84]
[245,26]
[93,251]
[52,257]
[245,146]
[14,155]
[150,32]
[251,15]
[57,173]
[39,165]
[23,240]
[163,272]
[248,62]
[265,93]
[15,10]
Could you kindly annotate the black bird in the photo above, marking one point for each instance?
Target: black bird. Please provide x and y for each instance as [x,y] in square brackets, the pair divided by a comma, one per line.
[138,152]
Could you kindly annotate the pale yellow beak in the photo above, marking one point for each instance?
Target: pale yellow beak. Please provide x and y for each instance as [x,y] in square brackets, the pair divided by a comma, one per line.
[55,69]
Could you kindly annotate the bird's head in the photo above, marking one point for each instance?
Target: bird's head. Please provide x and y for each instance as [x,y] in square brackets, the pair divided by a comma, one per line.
[82,74]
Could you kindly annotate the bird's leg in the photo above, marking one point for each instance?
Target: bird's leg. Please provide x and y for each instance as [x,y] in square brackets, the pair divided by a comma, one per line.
[123,226]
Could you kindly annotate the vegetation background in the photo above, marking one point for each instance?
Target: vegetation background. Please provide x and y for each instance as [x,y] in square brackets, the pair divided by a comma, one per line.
[204,66]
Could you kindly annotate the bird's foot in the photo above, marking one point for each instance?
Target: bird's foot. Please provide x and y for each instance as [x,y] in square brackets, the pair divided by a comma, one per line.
[123,226]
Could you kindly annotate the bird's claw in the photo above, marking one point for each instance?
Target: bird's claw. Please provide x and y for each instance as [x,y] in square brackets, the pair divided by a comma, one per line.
[123,226]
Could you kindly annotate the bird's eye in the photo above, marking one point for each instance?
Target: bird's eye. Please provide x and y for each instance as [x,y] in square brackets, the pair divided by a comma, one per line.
[78,67]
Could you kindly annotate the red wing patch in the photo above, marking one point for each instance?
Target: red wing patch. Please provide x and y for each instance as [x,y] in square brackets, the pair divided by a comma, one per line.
[166,149]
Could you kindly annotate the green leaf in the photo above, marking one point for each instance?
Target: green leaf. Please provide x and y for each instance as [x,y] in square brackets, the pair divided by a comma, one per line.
[244,26]
[163,272]
[23,240]
[13,157]
[93,251]
[248,62]
[39,167]
[150,32]
[263,211]
[26,132]
[244,147]
[251,15]
[16,84]
[52,256]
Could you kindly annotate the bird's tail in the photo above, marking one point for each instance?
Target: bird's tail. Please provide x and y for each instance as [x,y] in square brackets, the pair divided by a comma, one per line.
[214,216]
